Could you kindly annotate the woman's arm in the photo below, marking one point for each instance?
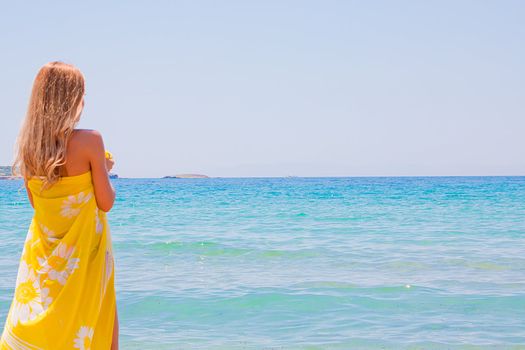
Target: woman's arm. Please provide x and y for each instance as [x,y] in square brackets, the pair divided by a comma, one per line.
[104,191]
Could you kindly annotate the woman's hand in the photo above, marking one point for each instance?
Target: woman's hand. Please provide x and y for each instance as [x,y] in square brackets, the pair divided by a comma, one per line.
[109,160]
[109,164]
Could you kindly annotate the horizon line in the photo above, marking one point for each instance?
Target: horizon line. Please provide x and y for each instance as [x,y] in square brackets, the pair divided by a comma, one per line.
[312,177]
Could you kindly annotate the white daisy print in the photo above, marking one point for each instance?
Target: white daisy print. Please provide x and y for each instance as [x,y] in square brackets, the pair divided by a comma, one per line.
[27,303]
[71,206]
[47,231]
[109,265]
[29,236]
[49,235]
[45,298]
[108,269]
[59,265]
[84,338]
[99,225]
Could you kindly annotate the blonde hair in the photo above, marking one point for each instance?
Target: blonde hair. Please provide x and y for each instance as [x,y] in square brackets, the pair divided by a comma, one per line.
[53,111]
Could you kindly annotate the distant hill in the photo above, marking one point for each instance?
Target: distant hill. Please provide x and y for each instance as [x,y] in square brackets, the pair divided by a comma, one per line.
[186,176]
[5,172]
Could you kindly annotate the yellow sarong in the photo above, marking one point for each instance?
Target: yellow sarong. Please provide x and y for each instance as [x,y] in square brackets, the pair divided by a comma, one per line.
[65,295]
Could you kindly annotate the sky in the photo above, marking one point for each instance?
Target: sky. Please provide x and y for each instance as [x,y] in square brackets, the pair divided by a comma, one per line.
[282,88]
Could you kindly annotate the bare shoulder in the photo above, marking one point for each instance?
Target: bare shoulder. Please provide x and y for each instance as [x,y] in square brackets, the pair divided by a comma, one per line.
[83,146]
[86,135]
[86,139]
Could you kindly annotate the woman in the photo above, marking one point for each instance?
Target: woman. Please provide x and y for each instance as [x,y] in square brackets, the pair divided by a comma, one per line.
[64,296]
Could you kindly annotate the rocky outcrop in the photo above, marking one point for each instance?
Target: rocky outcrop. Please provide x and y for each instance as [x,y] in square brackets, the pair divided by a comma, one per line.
[186,176]
[6,173]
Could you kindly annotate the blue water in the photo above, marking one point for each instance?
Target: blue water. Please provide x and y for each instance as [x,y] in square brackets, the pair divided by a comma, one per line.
[309,263]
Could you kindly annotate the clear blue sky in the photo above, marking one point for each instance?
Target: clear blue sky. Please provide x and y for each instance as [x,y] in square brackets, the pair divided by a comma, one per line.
[273,88]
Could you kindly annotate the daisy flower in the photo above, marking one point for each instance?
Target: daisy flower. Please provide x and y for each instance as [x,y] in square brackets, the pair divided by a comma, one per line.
[99,225]
[47,231]
[72,205]
[27,303]
[59,265]
[84,338]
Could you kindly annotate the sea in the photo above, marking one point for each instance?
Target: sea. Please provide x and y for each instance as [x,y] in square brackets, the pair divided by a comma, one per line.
[308,263]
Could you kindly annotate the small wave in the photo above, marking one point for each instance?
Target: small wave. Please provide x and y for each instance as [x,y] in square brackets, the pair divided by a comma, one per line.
[209,248]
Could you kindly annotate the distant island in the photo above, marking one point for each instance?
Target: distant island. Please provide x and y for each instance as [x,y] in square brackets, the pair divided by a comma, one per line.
[6,173]
[187,176]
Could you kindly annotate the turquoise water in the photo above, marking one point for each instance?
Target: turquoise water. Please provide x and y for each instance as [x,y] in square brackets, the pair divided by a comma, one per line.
[309,263]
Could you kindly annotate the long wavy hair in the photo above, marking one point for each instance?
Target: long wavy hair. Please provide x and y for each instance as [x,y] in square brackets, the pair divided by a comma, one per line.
[54,110]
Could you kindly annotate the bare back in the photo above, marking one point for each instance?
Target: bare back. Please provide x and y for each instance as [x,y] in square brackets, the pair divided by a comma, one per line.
[77,161]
